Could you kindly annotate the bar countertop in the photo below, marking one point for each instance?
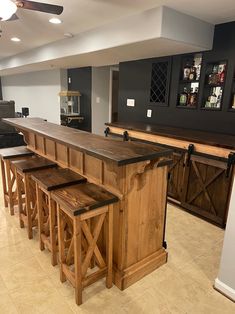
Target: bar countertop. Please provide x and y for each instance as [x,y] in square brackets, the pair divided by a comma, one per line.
[207,138]
[120,152]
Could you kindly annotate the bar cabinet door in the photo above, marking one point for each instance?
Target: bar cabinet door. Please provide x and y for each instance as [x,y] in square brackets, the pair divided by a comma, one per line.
[206,188]
[176,175]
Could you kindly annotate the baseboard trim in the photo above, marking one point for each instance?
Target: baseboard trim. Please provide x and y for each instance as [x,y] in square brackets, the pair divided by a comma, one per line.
[224,289]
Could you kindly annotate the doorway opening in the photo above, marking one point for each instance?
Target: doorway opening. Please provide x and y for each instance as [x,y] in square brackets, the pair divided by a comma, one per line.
[113,94]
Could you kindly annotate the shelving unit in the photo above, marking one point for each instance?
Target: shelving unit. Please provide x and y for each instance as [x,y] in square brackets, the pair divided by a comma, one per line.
[213,89]
[189,81]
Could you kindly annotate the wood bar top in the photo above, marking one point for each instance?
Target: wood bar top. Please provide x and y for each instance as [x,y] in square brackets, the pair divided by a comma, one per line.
[207,138]
[56,178]
[14,152]
[80,198]
[100,147]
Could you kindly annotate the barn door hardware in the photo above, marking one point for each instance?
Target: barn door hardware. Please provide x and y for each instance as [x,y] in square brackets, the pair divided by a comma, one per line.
[230,163]
[125,136]
[190,152]
[107,131]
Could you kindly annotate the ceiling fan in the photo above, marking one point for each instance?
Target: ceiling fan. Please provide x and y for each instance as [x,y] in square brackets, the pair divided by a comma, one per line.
[8,8]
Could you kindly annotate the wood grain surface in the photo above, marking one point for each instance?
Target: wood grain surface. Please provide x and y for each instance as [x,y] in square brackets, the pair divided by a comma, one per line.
[33,164]
[78,199]
[55,178]
[12,152]
[100,147]
[202,137]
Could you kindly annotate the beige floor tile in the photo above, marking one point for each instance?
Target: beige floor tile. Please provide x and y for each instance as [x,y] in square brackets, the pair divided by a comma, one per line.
[6,305]
[14,254]
[3,288]
[28,271]
[39,297]
[44,260]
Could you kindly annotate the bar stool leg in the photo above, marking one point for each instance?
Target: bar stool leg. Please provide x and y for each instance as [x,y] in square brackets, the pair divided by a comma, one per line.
[52,222]
[19,197]
[78,259]
[4,185]
[61,234]
[10,186]
[109,247]
[28,207]
[40,216]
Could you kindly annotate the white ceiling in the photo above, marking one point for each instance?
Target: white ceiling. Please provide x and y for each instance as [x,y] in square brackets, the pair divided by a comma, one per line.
[81,15]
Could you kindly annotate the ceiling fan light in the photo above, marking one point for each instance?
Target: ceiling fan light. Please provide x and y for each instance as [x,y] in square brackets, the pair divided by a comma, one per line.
[55,20]
[7,9]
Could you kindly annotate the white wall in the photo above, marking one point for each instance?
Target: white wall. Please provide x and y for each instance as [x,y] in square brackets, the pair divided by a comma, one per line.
[36,90]
[100,98]
[226,278]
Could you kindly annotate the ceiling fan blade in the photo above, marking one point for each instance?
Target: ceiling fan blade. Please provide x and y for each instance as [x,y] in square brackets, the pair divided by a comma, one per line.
[14,17]
[39,6]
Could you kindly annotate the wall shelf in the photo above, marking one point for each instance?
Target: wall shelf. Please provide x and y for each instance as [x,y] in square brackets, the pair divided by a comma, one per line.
[213,89]
[189,81]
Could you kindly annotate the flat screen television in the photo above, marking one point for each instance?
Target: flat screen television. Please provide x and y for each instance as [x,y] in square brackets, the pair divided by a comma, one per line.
[7,110]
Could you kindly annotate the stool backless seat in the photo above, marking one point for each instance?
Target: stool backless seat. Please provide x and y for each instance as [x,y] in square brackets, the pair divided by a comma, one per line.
[8,173]
[23,172]
[86,205]
[47,181]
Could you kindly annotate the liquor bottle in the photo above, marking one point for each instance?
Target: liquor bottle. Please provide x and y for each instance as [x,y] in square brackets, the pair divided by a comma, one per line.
[192,74]
[183,98]
[198,71]
[222,75]
[186,72]
[213,100]
[193,97]
[219,98]
[233,105]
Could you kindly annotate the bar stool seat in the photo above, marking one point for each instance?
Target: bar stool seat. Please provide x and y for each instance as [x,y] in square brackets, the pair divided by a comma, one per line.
[47,181]
[8,173]
[23,171]
[85,203]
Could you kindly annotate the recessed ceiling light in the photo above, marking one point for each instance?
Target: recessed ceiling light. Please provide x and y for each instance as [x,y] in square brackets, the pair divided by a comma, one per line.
[55,20]
[16,39]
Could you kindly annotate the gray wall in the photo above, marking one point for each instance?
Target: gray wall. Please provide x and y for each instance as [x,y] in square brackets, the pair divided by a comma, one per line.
[100,98]
[36,90]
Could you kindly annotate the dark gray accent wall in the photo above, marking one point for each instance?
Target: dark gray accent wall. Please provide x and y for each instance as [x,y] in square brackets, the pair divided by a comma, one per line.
[1,90]
[135,80]
[81,80]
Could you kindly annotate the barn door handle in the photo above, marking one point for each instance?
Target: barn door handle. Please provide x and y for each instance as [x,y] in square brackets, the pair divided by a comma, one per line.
[190,152]
[230,162]
[107,131]
[125,136]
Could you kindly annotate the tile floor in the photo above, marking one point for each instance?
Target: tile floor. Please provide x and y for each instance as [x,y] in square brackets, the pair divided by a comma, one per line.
[29,284]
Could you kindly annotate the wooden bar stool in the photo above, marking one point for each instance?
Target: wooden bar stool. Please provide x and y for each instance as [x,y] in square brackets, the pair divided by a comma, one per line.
[8,173]
[47,181]
[82,203]
[23,172]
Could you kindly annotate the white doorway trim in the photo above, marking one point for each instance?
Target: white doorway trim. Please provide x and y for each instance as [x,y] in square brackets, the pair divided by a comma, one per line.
[112,69]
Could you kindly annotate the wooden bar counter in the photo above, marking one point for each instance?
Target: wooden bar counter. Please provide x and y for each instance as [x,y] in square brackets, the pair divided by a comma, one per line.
[201,175]
[135,172]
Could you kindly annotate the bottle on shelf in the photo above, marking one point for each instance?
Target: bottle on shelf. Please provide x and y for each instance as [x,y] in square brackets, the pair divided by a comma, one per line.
[198,71]
[219,99]
[183,101]
[233,105]
[186,71]
[192,74]
[213,100]
[222,73]
[193,97]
